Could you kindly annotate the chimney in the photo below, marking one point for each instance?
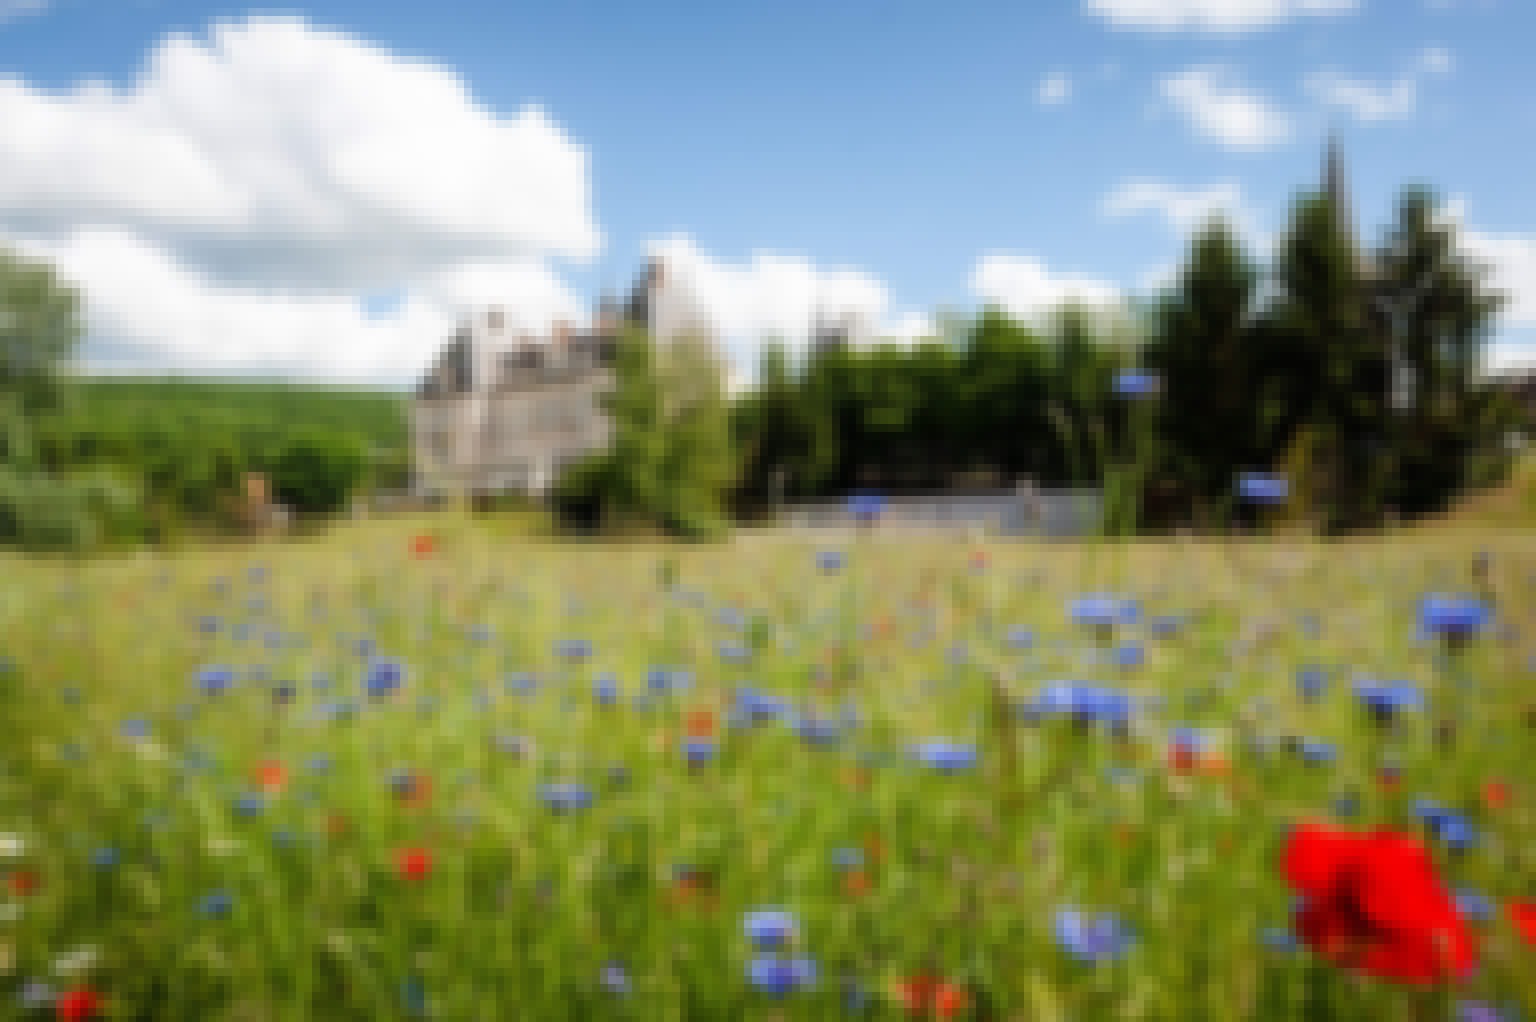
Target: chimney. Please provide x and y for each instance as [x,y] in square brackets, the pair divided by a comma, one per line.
[495,319]
[562,332]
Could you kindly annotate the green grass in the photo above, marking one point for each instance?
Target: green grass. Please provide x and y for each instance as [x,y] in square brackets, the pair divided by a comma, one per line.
[523,907]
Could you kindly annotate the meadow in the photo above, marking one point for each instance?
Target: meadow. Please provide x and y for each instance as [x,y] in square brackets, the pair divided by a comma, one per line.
[420,769]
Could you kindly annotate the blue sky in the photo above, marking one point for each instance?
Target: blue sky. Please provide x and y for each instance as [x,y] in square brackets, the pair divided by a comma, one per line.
[886,158]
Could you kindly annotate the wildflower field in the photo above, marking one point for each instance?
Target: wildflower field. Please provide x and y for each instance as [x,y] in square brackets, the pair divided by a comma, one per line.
[403,774]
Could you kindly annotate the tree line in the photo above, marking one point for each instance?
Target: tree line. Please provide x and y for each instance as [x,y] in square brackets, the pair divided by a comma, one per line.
[1356,374]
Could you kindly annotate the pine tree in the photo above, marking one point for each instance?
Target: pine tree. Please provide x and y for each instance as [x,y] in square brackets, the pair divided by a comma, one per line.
[1329,362]
[1201,347]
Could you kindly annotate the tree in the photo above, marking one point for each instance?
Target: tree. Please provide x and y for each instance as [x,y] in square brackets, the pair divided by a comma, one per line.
[40,329]
[1331,362]
[1438,313]
[1210,409]
[316,471]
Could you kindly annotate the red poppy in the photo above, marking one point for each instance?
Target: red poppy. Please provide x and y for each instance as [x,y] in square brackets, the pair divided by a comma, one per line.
[1181,758]
[335,825]
[1496,794]
[22,882]
[77,1005]
[271,776]
[978,560]
[1523,915]
[694,889]
[700,724]
[413,863]
[1374,903]
[423,546]
[924,996]
[856,882]
[417,793]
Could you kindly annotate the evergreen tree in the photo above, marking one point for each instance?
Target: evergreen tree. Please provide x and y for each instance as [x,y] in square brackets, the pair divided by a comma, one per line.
[1439,315]
[1200,346]
[1330,363]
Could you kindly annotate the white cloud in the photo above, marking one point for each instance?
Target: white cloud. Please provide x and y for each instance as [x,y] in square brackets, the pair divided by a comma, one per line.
[1184,210]
[1223,111]
[12,9]
[1512,260]
[230,207]
[1367,101]
[1055,89]
[1217,17]
[1025,287]
[1379,101]
[776,295]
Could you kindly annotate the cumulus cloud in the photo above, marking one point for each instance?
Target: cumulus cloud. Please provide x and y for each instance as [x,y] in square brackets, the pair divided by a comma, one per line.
[1185,210]
[1055,89]
[1025,287]
[1221,110]
[1216,17]
[782,296]
[272,173]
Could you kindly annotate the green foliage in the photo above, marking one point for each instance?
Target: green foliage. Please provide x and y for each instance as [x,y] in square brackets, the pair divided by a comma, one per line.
[316,471]
[40,329]
[671,460]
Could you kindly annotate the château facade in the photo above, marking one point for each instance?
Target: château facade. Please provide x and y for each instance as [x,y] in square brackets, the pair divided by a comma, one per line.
[501,411]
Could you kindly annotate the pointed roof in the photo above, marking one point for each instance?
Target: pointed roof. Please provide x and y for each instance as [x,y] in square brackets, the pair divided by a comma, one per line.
[1336,187]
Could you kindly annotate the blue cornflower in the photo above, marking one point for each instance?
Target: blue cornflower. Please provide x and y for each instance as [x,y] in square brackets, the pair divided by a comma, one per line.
[1311,681]
[1314,751]
[573,649]
[830,561]
[1347,806]
[209,624]
[698,751]
[1134,383]
[866,507]
[284,693]
[779,976]
[383,677]
[214,680]
[1278,938]
[605,689]
[847,857]
[1102,611]
[945,756]
[35,994]
[616,979]
[1128,655]
[817,731]
[1263,488]
[521,683]
[249,804]
[759,705]
[1480,1011]
[1092,938]
[733,652]
[1475,905]
[564,797]
[134,727]
[1020,637]
[1452,617]
[319,764]
[1084,702]
[217,904]
[1165,626]
[769,928]
[105,857]
[1386,699]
